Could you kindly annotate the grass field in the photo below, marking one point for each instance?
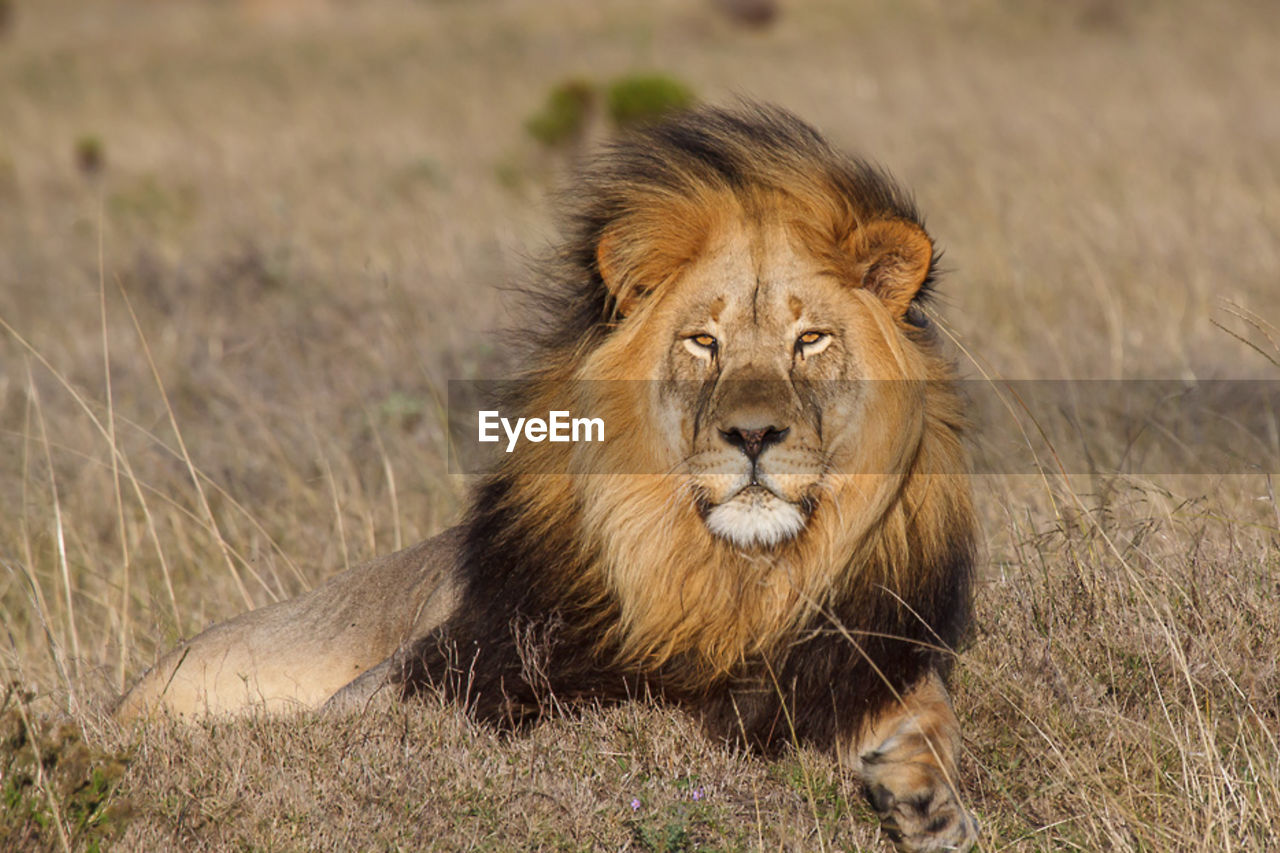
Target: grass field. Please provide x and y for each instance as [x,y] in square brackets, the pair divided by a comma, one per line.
[244,246]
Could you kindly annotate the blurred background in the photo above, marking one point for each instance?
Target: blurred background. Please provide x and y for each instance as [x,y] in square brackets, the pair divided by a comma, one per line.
[244,244]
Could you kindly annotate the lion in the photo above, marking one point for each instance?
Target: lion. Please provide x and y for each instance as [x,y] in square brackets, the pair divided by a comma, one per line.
[782,541]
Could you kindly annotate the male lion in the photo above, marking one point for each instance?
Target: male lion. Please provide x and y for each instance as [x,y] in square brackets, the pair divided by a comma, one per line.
[781,542]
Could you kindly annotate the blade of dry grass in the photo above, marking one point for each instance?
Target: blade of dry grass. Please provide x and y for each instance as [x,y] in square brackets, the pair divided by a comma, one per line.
[186,458]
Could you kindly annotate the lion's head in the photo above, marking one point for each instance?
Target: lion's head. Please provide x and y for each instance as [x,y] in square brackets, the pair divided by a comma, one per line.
[780,359]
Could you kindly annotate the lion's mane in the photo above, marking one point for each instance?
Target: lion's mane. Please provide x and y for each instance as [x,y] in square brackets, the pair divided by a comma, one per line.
[604,588]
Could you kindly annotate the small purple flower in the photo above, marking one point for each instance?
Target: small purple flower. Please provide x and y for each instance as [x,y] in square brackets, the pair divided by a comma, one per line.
[635,805]
[697,794]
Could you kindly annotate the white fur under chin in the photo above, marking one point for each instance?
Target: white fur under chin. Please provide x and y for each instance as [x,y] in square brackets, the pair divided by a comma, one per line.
[755,520]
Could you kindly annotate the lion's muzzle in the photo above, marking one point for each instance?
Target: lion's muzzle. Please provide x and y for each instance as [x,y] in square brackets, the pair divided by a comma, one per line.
[757,495]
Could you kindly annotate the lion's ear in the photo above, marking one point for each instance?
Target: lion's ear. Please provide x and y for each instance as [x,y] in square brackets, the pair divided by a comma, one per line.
[894,257]
[641,253]
[632,268]
[613,265]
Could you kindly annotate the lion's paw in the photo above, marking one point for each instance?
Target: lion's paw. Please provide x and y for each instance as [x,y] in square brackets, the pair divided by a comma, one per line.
[919,810]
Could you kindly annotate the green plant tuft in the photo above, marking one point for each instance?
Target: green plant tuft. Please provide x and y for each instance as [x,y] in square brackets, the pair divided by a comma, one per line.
[645,97]
[48,774]
[563,117]
[90,154]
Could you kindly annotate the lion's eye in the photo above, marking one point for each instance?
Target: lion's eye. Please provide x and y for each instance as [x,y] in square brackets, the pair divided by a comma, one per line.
[812,342]
[701,345]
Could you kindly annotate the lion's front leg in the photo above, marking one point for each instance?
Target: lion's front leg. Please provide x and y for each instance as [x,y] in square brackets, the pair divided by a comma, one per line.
[907,757]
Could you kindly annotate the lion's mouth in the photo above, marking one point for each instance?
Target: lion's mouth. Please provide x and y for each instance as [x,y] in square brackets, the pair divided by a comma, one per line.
[705,504]
[755,490]
[756,516]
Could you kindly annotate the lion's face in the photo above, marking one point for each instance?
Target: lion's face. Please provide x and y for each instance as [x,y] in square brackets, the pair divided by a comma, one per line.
[787,385]
[769,352]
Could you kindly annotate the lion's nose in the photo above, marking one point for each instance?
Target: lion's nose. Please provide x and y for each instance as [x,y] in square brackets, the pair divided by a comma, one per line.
[753,442]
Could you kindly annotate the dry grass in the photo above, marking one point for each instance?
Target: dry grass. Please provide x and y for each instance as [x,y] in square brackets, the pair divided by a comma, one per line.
[224,349]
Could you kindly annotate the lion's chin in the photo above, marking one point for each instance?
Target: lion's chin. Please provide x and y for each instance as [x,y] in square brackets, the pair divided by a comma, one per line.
[755,518]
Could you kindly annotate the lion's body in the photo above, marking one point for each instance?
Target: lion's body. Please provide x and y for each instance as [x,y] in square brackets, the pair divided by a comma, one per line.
[782,543]
[296,654]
